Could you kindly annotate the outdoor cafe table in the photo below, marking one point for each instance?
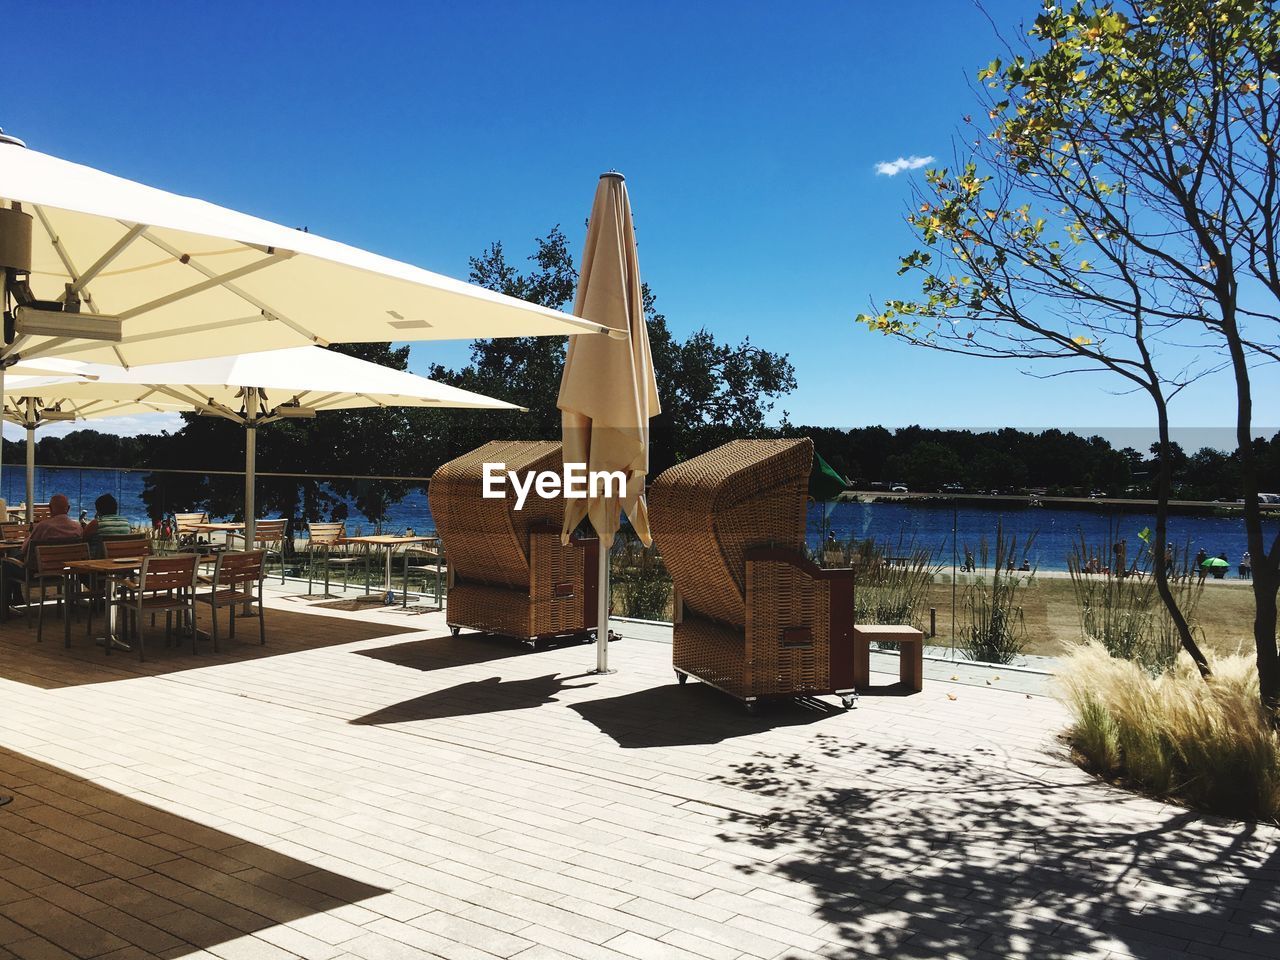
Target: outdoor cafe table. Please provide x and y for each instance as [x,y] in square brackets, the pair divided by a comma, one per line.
[111,571]
[226,529]
[389,542]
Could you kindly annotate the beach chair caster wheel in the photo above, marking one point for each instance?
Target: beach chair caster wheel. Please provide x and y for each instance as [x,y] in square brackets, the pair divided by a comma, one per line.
[454,631]
[849,701]
[753,708]
[683,678]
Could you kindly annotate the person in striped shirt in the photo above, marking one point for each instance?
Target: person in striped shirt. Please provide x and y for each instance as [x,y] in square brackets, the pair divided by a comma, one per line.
[107,523]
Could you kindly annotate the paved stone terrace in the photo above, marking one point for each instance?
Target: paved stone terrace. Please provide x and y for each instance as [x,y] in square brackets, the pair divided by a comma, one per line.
[368,787]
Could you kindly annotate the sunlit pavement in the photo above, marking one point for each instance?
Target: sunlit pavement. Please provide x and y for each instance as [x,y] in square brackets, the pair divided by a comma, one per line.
[367,786]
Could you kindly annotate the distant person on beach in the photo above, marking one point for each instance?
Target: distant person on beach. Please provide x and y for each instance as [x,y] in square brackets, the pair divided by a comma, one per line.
[1026,565]
[969,566]
[1219,570]
[1008,567]
[1168,561]
[1120,548]
[1201,569]
[1246,566]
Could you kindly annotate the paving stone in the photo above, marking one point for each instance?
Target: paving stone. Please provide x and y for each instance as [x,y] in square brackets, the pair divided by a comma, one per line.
[368,786]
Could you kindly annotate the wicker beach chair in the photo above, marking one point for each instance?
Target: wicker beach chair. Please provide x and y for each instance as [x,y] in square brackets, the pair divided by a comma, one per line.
[508,573]
[753,616]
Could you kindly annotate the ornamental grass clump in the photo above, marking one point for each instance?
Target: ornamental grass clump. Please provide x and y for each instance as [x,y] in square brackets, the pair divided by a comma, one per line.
[892,582]
[996,631]
[1205,744]
[1124,613]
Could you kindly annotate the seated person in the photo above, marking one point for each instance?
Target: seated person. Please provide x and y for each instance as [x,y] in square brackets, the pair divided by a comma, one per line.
[106,523]
[58,526]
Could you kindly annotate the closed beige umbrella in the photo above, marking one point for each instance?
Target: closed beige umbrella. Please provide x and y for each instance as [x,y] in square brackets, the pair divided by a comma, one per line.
[608,390]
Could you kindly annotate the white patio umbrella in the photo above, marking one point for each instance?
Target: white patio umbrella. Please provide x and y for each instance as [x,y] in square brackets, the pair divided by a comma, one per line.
[608,390]
[158,276]
[254,389]
[103,269]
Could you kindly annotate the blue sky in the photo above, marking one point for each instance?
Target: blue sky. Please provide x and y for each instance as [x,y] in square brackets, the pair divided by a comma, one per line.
[749,134]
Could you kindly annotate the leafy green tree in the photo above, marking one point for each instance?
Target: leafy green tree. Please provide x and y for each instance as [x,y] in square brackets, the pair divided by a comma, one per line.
[710,391]
[927,466]
[1121,203]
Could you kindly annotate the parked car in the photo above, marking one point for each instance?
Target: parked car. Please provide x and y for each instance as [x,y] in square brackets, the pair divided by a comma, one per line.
[952,488]
[898,488]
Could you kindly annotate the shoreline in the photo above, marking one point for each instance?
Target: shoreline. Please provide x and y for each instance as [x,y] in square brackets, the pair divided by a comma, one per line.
[944,576]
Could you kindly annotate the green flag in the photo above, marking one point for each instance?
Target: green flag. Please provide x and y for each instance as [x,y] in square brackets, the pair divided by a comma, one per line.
[824,482]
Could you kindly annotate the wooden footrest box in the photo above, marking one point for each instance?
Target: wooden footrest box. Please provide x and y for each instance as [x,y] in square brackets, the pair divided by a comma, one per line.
[910,653]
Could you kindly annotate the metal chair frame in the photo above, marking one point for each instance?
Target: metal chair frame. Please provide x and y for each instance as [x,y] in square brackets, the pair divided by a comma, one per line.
[165,585]
[234,577]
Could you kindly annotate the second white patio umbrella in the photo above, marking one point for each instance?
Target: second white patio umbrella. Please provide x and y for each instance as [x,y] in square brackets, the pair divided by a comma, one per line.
[33,412]
[255,389]
[608,390]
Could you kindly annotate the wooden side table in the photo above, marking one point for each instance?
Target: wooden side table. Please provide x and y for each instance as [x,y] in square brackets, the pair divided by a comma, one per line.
[910,653]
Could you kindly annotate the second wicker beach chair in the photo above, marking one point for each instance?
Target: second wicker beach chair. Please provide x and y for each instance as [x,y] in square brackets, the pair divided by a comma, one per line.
[753,616]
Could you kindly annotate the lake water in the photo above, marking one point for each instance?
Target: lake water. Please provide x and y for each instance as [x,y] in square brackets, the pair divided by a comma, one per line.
[1055,531]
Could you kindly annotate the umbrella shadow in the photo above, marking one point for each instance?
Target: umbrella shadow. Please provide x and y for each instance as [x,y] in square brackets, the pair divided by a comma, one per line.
[90,871]
[438,653]
[675,715]
[492,695]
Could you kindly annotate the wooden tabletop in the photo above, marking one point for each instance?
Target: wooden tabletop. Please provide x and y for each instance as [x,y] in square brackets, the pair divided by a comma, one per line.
[212,527]
[387,539]
[120,564]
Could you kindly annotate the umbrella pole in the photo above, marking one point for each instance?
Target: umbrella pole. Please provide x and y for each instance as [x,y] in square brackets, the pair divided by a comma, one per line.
[602,610]
[250,465]
[31,466]
[3,406]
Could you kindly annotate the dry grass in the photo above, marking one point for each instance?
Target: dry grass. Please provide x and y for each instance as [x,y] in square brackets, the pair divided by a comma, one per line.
[1224,614]
[1207,745]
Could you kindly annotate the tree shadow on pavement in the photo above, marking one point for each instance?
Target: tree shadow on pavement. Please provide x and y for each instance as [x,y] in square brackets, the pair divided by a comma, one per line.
[916,852]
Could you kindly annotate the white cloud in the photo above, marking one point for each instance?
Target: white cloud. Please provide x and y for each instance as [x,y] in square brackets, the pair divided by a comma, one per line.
[892,168]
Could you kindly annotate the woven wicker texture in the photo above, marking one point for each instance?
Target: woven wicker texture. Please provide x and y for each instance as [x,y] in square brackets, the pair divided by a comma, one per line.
[487,539]
[707,512]
[511,575]
[492,609]
[779,596]
[712,652]
[556,585]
